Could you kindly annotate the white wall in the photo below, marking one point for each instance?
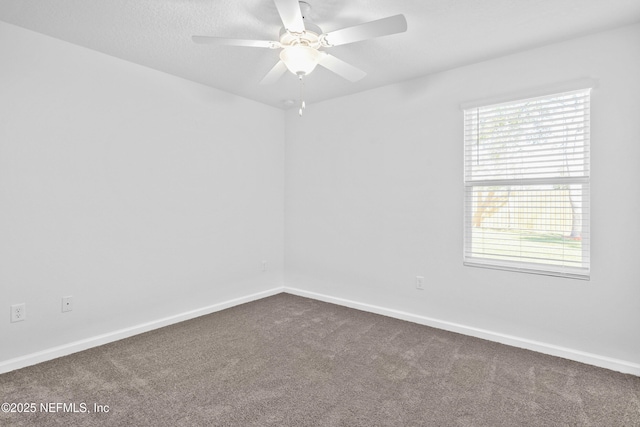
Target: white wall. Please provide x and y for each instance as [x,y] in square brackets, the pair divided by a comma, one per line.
[141,194]
[374,198]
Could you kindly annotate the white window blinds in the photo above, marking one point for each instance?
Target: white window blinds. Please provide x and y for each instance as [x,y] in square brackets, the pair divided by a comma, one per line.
[526,176]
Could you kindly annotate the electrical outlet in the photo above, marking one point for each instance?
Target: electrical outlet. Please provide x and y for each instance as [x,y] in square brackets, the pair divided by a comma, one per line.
[18,312]
[419,282]
[67,304]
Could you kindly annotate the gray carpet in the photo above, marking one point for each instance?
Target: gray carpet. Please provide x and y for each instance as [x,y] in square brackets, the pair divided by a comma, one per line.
[291,361]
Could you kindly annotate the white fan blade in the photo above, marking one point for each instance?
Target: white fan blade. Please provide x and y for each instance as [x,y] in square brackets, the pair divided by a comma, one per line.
[369,30]
[291,15]
[341,68]
[274,75]
[221,41]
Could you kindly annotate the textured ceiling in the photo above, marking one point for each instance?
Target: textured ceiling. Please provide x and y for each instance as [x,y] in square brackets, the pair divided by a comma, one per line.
[442,34]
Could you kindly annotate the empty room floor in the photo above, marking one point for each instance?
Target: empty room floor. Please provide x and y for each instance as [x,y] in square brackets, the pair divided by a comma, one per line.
[292,361]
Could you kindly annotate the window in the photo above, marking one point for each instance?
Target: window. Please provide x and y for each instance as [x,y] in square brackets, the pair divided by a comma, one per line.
[526,177]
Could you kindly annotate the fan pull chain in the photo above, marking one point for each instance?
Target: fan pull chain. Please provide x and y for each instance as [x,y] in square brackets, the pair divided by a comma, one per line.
[302,104]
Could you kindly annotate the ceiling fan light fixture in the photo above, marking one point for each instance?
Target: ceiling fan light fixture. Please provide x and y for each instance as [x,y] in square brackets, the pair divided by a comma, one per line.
[300,40]
[300,59]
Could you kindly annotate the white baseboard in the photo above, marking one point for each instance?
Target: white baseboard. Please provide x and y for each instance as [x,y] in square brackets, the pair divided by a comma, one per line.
[63,350]
[540,347]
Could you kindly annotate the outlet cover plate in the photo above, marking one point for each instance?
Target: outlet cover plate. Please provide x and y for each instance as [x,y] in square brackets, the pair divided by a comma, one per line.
[67,304]
[18,312]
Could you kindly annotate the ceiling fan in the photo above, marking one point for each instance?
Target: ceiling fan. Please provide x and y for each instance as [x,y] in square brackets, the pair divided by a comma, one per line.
[303,43]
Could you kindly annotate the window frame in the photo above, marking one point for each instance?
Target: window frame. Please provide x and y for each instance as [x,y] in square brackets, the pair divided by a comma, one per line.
[583,272]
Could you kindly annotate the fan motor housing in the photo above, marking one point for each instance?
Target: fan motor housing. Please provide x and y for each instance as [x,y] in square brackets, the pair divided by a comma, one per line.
[310,37]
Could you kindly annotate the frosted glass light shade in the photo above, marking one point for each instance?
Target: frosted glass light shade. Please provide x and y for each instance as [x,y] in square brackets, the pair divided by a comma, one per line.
[299,59]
